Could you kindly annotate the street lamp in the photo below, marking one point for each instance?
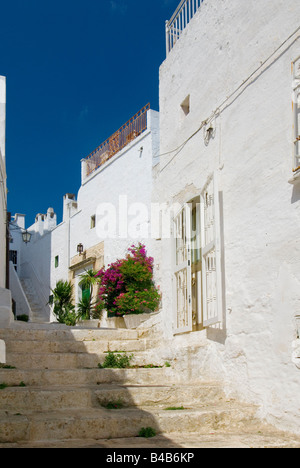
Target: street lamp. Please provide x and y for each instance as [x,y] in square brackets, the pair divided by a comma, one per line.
[26,236]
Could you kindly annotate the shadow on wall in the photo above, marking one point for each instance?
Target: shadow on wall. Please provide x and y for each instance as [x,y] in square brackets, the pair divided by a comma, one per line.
[296,193]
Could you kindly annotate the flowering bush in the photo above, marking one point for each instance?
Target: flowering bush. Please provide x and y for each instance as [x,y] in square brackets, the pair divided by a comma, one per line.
[127,287]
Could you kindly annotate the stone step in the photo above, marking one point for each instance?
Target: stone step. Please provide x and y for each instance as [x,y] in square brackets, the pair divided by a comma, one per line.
[164,396]
[71,360]
[68,346]
[63,397]
[100,423]
[71,377]
[176,440]
[59,332]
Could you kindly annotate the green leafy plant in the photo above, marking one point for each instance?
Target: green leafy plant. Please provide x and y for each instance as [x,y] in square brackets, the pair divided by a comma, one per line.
[22,318]
[147,432]
[119,361]
[87,307]
[3,386]
[113,404]
[174,408]
[61,300]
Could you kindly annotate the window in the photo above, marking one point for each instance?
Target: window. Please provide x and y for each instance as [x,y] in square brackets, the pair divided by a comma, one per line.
[296,113]
[185,105]
[93,221]
[56,261]
[13,257]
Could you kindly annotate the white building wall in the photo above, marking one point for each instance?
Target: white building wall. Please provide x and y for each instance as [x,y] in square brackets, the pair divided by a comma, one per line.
[36,259]
[251,149]
[59,248]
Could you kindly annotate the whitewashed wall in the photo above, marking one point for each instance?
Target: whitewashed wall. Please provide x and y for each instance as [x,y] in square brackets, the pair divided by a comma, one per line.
[252,151]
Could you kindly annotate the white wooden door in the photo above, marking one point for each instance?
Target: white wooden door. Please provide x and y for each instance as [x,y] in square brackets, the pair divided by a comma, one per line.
[183,321]
[211,253]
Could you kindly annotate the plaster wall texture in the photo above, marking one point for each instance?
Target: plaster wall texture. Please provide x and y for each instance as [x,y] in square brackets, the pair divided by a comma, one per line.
[251,150]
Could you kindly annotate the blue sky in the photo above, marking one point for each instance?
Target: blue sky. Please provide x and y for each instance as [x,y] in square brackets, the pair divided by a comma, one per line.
[76,71]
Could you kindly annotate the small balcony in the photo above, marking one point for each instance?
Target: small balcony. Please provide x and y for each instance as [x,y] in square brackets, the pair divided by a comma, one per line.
[116,142]
[185,11]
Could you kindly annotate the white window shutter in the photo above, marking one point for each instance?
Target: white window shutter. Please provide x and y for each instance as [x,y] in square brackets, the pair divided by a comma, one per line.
[211,253]
[183,321]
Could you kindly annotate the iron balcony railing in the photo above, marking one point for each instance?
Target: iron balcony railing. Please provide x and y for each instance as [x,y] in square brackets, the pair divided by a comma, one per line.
[179,21]
[121,138]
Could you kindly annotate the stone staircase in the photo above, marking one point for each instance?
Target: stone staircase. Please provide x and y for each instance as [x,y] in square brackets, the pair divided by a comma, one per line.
[57,396]
[37,314]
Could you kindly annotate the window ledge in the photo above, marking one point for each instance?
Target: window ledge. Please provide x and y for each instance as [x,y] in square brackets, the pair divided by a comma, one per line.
[295,180]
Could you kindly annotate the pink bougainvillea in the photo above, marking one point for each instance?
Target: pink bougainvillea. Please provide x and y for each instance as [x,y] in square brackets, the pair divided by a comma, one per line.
[127,286]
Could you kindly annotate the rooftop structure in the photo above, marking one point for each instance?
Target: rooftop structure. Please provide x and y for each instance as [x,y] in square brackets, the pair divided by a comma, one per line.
[116,142]
[179,21]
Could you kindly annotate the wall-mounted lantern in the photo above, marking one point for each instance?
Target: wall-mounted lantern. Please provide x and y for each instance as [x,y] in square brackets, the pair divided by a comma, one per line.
[80,249]
[26,236]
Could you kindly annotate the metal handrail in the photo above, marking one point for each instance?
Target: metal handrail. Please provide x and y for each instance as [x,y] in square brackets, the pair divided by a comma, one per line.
[121,138]
[183,14]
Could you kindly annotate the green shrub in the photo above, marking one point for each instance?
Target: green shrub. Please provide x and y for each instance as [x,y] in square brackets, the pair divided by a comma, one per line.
[113,404]
[22,318]
[119,361]
[147,432]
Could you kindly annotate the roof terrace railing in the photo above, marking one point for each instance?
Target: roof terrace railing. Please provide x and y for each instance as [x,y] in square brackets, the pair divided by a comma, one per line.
[179,21]
[121,138]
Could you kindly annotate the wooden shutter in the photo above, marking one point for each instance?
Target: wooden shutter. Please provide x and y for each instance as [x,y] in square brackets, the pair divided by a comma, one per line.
[182,271]
[211,253]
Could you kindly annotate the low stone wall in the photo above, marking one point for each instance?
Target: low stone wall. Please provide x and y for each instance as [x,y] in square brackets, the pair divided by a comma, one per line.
[6,314]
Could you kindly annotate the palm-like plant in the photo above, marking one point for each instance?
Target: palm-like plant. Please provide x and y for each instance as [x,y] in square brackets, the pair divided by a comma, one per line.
[85,305]
[61,299]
